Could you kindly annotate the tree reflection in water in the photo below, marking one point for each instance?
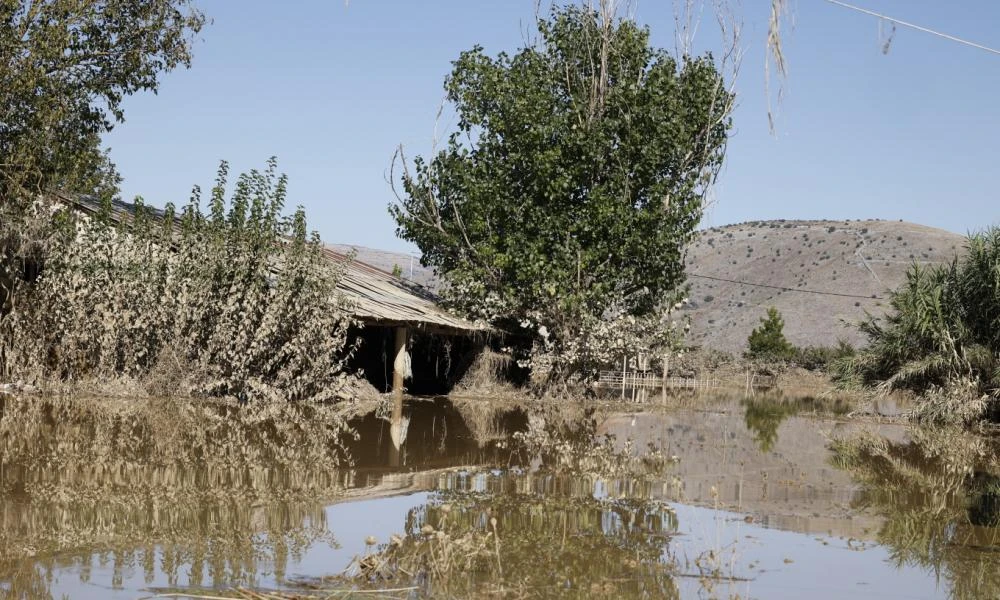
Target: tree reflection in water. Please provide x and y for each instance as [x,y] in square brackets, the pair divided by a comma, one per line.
[580,522]
[938,493]
[90,485]
[763,415]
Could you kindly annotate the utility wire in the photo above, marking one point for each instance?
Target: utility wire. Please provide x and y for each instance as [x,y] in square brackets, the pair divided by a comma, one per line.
[914,26]
[786,289]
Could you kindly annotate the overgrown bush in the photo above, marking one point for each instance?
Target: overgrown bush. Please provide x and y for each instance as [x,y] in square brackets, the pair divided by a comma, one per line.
[603,342]
[237,301]
[821,358]
[942,337]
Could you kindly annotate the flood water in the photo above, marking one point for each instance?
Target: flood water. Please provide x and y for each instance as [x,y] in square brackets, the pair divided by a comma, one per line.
[704,498]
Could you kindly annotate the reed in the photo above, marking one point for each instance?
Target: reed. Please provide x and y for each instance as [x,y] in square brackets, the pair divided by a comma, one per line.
[941,338]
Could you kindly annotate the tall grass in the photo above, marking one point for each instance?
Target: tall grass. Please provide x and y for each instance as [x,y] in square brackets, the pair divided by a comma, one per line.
[237,300]
[941,338]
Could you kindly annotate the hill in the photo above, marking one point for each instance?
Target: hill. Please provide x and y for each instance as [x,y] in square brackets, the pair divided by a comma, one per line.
[821,276]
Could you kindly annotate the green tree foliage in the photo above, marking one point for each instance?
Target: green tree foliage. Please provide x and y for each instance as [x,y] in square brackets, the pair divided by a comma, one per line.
[575,177]
[768,341]
[65,68]
[237,301]
[942,336]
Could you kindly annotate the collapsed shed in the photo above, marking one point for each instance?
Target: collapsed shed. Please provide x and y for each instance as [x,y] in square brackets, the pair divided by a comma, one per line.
[406,340]
[398,315]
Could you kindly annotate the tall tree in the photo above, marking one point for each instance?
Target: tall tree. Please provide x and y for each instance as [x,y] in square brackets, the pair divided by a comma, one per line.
[575,177]
[65,68]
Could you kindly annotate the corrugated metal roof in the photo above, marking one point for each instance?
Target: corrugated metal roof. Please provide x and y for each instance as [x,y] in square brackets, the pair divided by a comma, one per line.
[378,297]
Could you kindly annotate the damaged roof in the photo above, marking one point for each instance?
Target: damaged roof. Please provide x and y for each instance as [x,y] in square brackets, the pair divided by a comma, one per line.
[383,299]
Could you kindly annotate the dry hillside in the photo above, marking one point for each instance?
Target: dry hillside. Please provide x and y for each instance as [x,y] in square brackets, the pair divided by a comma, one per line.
[821,275]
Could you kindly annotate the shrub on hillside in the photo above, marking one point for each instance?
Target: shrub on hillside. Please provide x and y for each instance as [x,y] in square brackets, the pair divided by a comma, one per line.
[821,358]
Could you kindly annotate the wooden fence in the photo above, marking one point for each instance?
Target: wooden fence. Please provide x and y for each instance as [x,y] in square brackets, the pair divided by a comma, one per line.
[639,379]
[648,379]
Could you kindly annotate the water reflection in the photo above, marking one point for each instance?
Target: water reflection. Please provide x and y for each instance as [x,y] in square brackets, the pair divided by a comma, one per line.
[577,517]
[486,501]
[764,414]
[532,535]
[763,417]
[938,493]
[132,492]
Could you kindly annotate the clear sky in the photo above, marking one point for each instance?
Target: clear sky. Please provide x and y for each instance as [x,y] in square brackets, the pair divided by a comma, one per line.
[332,89]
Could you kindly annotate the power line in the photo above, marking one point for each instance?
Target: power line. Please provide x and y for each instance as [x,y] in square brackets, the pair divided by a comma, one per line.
[786,289]
[914,26]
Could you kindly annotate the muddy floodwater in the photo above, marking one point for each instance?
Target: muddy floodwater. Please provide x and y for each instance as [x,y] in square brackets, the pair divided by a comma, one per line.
[700,498]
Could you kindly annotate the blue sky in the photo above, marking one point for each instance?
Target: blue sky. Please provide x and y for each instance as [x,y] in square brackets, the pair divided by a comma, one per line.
[332,89]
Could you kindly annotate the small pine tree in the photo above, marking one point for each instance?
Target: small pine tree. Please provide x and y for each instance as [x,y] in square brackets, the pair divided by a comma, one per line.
[768,341]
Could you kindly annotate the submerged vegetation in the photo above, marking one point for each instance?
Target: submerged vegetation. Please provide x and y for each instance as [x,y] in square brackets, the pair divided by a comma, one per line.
[238,301]
[941,338]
